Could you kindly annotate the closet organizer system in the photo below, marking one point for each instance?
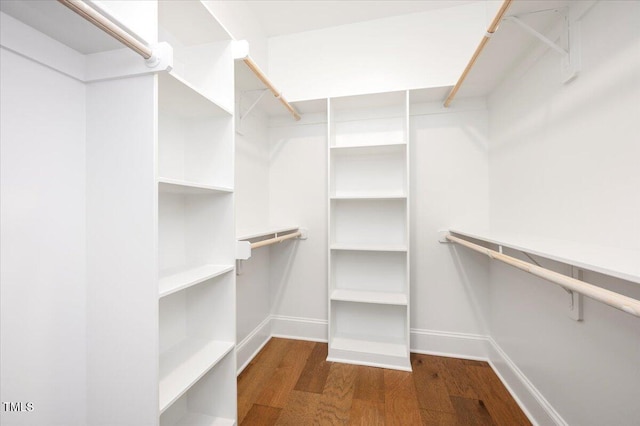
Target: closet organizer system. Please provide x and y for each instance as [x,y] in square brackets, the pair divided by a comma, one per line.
[188,299]
[491,60]
[159,158]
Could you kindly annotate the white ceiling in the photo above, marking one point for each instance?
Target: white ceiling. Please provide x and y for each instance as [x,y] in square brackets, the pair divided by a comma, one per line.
[279,17]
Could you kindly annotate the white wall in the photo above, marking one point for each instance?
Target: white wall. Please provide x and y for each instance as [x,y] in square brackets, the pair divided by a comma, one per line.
[419,50]
[449,188]
[43,260]
[564,164]
[298,195]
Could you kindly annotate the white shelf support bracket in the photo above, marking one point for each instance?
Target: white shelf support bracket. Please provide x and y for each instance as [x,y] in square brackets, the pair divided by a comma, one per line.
[243,252]
[575,310]
[569,48]
[442,237]
[253,105]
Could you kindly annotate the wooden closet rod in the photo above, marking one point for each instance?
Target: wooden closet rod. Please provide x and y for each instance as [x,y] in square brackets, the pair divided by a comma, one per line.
[109,27]
[275,240]
[616,300]
[492,29]
[265,80]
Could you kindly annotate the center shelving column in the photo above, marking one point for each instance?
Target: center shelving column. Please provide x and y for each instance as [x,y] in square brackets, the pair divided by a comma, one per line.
[369,230]
[196,238]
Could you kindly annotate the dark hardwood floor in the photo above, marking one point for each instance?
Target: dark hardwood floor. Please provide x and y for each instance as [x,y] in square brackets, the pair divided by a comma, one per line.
[290,383]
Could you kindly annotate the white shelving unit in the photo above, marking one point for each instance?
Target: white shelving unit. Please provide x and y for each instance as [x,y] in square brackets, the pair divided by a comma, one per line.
[369,230]
[196,241]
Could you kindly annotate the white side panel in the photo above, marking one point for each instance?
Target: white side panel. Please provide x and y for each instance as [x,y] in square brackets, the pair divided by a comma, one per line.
[43,275]
[122,292]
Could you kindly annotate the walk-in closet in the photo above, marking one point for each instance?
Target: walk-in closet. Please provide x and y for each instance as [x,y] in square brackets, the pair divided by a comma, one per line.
[243,212]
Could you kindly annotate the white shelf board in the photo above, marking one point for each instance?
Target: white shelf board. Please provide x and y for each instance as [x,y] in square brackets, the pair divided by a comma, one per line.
[369,197]
[184,364]
[248,234]
[173,281]
[370,146]
[364,345]
[177,186]
[176,96]
[509,45]
[191,22]
[362,296]
[615,262]
[369,247]
[197,419]
[62,24]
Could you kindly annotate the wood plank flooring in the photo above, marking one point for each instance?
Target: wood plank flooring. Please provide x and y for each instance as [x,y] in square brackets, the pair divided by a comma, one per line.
[290,383]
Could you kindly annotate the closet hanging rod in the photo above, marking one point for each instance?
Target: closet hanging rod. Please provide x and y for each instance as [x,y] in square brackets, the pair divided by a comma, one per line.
[485,39]
[265,80]
[109,27]
[616,300]
[275,240]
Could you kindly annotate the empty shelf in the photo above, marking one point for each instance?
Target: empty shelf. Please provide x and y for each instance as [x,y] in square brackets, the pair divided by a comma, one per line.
[369,247]
[352,344]
[619,263]
[177,186]
[184,364]
[264,232]
[362,296]
[196,419]
[185,278]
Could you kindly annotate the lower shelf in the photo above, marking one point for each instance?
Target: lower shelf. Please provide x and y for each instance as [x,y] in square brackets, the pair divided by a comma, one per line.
[195,419]
[362,351]
[185,364]
[182,278]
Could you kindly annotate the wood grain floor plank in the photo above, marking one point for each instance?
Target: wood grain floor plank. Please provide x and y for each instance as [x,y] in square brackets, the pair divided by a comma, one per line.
[298,387]
[259,415]
[335,403]
[366,413]
[432,390]
[471,412]
[252,380]
[276,390]
[499,403]
[316,370]
[369,384]
[454,373]
[300,409]
[401,406]
[439,418]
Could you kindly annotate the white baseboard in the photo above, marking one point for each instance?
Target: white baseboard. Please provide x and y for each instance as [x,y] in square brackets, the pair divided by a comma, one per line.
[299,328]
[431,342]
[456,345]
[532,402]
[252,344]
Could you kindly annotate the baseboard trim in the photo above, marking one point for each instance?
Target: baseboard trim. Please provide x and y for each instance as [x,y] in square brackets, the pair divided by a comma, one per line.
[252,344]
[450,344]
[528,397]
[311,329]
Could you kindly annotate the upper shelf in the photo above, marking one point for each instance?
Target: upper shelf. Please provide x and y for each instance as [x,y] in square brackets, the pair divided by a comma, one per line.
[250,234]
[509,45]
[62,24]
[619,263]
[190,22]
